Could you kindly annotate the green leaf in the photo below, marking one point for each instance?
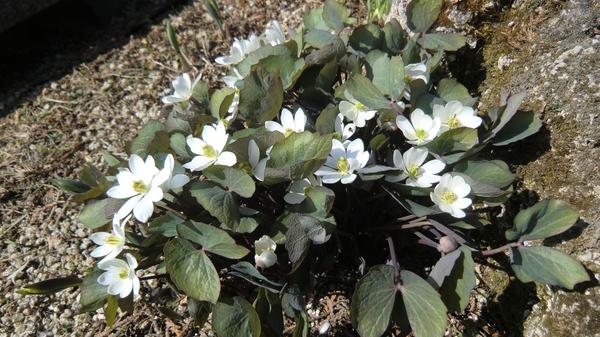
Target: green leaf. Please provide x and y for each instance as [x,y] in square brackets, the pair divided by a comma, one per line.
[450,90]
[319,38]
[249,273]
[50,286]
[425,310]
[220,101]
[192,271]
[302,328]
[268,307]
[199,310]
[387,74]
[93,295]
[314,19]
[297,156]
[235,317]
[219,203]
[459,139]
[110,311]
[330,52]
[232,179]
[373,301]
[522,125]
[172,38]
[325,123]
[394,37]
[212,239]
[365,92]
[215,13]
[97,213]
[252,59]
[544,219]
[261,96]
[491,172]
[318,202]
[365,38]
[201,96]
[443,41]
[507,113]
[421,14]
[165,225]
[151,139]
[288,67]
[72,186]
[456,287]
[334,15]
[179,145]
[546,265]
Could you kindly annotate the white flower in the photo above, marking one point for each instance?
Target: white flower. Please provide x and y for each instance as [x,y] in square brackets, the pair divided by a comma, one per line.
[455,115]
[256,164]
[416,71]
[183,89]
[142,185]
[413,166]
[231,80]
[343,161]
[110,244]
[344,131]
[289,124]
[264,248]
[209,149]
[119,276]
[274,34]
[297,190]
[355,111]
[421,128]
[449,195]
[173,181]
[239,49]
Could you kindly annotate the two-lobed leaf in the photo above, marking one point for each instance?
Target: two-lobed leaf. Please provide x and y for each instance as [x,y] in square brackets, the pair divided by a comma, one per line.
[544,219]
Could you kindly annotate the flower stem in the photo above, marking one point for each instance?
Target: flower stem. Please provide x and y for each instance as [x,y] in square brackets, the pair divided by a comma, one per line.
[500,249]
[393,256]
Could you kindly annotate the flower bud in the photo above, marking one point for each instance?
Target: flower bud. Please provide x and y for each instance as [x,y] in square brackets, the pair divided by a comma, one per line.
[264,248]
[447,245]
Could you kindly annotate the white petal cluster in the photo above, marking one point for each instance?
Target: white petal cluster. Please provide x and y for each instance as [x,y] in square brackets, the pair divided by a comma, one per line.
[143,184]
[414,72]
[119,276]
[297,190]
[344,131]
[289,124]
[420,129]
[274,35]
[257,165]
[455,115]
[355,111]
[450,195]
[110,245]
[239,49]
[264,252]
[209,148]
[415,170]
[182,89]
[343,161]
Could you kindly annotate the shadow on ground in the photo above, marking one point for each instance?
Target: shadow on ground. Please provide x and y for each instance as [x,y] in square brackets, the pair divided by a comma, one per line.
[51,43]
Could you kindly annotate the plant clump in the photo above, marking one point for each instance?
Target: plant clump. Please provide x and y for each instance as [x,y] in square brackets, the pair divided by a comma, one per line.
[322,138]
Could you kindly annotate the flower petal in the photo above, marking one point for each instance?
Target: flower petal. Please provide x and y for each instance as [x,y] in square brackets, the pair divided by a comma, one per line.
[143,210]
[226,158]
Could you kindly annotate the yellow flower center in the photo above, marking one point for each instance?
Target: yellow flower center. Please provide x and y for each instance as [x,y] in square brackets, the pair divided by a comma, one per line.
[140,187]
[123,274]
[453,122]
[360,106]
[209,151]
[407,79]
[449,197]
[343,165]
[420,134]
[413,170]
[113,240]
[287,132]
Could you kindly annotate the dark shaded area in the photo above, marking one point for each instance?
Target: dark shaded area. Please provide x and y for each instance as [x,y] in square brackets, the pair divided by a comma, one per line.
[52,42]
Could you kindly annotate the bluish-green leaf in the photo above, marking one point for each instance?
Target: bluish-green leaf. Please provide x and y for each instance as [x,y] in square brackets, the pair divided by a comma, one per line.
[166,224]
[522,125]
[212,239]
[549,266]
[451,90]
[235,317]
[192,271]
[425,310]
[232,179]
[456,287]
[373,301]
[261,96]
[97,213]
[459,139]
[219,203]
[220,100]
[444,41]
[386,73]
[544,219]
[365,38]
[491,172]
[366,92]
[335,14]
[93,295]
[421,14]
